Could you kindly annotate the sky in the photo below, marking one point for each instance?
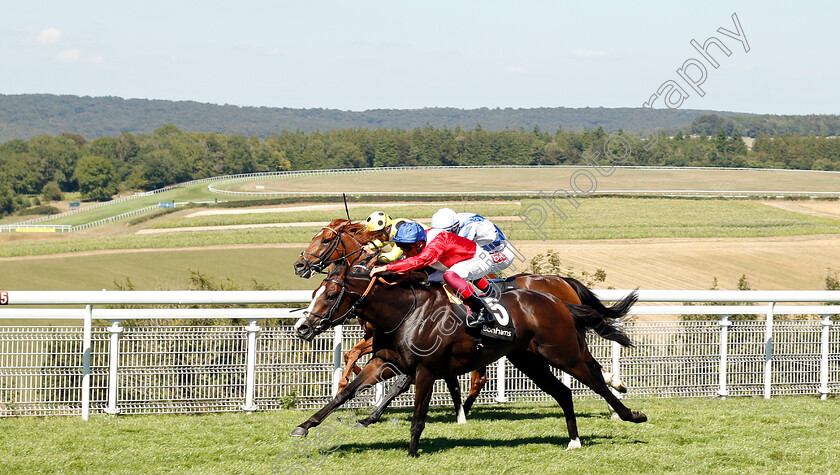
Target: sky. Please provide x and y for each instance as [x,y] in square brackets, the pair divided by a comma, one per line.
[359,55]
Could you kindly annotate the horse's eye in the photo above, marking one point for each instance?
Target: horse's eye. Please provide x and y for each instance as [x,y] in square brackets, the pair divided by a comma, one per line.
[331,296]
[326,241]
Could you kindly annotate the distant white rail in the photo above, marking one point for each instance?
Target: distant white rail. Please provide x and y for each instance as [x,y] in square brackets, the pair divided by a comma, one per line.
[113,368]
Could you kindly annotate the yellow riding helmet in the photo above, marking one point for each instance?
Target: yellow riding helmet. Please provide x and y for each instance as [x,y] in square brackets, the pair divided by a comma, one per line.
[377,221]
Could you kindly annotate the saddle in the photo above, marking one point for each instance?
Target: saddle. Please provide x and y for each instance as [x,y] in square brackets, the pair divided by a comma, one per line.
[500,328]
[501,286]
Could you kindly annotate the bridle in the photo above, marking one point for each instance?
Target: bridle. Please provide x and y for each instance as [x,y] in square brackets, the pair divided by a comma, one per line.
[326,320]
[321,261]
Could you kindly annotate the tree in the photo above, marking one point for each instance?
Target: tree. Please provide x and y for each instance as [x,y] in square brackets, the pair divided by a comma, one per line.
[56,157]
[51,192]
[7,198]
[158,169]
[96,177]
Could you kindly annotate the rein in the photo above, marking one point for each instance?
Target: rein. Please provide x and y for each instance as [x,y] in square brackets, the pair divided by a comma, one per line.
[351,311]
[322,261]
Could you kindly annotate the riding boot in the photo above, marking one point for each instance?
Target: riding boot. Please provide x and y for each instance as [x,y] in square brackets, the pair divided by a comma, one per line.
[480,312]
[483,285]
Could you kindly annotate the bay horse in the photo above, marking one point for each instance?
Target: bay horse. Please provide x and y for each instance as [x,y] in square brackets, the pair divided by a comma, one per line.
[548,333]
[343,239]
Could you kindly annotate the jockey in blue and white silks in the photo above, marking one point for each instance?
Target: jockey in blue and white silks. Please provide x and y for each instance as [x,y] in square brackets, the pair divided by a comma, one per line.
[480,230]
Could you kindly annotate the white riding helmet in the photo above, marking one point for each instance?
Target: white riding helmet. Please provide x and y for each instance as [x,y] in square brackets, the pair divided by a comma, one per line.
[444,218]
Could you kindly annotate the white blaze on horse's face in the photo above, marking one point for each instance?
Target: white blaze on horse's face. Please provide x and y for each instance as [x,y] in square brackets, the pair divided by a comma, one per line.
[320,290]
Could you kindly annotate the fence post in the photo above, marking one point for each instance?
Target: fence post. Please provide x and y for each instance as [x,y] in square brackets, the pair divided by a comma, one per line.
[337,357]
[251,366]
[724,331]
[826,323]
[86,346]
[567,379]
[616,365]
[114,361]
[768,350]
[501,380]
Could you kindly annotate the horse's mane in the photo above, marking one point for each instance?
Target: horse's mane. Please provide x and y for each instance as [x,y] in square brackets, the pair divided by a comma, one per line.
[358,229]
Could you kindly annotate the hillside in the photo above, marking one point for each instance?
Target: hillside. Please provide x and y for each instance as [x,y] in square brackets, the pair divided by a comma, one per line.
[29,115]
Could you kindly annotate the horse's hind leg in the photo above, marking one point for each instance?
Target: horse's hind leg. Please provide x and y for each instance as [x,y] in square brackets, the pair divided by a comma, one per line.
[362,348]
[477,381]
[537,369]
[589,373]
[455,391]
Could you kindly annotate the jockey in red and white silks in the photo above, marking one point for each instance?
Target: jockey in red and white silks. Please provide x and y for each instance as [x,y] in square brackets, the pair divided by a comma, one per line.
[463,259]
[488,236]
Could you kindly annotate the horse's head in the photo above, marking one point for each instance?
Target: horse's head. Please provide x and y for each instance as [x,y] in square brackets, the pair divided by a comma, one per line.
[327,247]
[336,299]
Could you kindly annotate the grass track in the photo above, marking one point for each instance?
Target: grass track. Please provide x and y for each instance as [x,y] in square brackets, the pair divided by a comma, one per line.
[594,218]
[550,179]
[739,435]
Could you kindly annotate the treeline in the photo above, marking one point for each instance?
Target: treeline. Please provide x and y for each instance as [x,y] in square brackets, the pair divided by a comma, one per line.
[99,168]
[29,115]
[751,125]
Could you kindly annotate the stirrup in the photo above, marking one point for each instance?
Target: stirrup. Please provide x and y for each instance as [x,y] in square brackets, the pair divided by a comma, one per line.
[481,318]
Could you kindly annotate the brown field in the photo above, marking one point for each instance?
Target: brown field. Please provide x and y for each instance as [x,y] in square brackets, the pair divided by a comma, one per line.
[793,263]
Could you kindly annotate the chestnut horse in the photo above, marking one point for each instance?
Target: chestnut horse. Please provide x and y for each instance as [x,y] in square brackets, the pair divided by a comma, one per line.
[411,338]
[343,239]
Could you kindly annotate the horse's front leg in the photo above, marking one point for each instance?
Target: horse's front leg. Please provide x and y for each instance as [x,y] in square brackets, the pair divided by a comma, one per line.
[424,382]
[375,371]
[401,384]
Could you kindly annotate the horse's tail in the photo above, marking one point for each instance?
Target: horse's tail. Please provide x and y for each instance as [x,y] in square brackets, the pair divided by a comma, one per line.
[618,310]
[587,318]
[592,314]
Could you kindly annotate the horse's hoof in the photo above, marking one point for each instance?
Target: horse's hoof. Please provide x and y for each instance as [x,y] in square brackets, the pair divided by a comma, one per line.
[361,424]
[299,432]
[573,444]
[622,388]
[614,416]
[639,416]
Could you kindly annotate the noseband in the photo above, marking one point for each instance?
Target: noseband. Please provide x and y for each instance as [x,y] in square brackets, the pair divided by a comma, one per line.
[351,311]
[321,261]
[328,317]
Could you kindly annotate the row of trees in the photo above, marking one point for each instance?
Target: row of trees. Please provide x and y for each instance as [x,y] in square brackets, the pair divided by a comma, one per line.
[752,125]
[100,167]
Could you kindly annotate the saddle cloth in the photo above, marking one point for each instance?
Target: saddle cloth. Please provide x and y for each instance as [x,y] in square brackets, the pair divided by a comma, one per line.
[500,328]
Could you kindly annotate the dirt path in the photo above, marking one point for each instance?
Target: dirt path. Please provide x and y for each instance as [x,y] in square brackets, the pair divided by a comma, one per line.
[323,207]
[312,224]
[823,209]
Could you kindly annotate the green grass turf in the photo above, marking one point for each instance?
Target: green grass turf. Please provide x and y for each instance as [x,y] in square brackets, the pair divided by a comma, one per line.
[736,436]
[156,270]
[595,218]
[488,179]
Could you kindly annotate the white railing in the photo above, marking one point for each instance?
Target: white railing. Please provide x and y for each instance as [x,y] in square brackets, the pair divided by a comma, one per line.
[112,368]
